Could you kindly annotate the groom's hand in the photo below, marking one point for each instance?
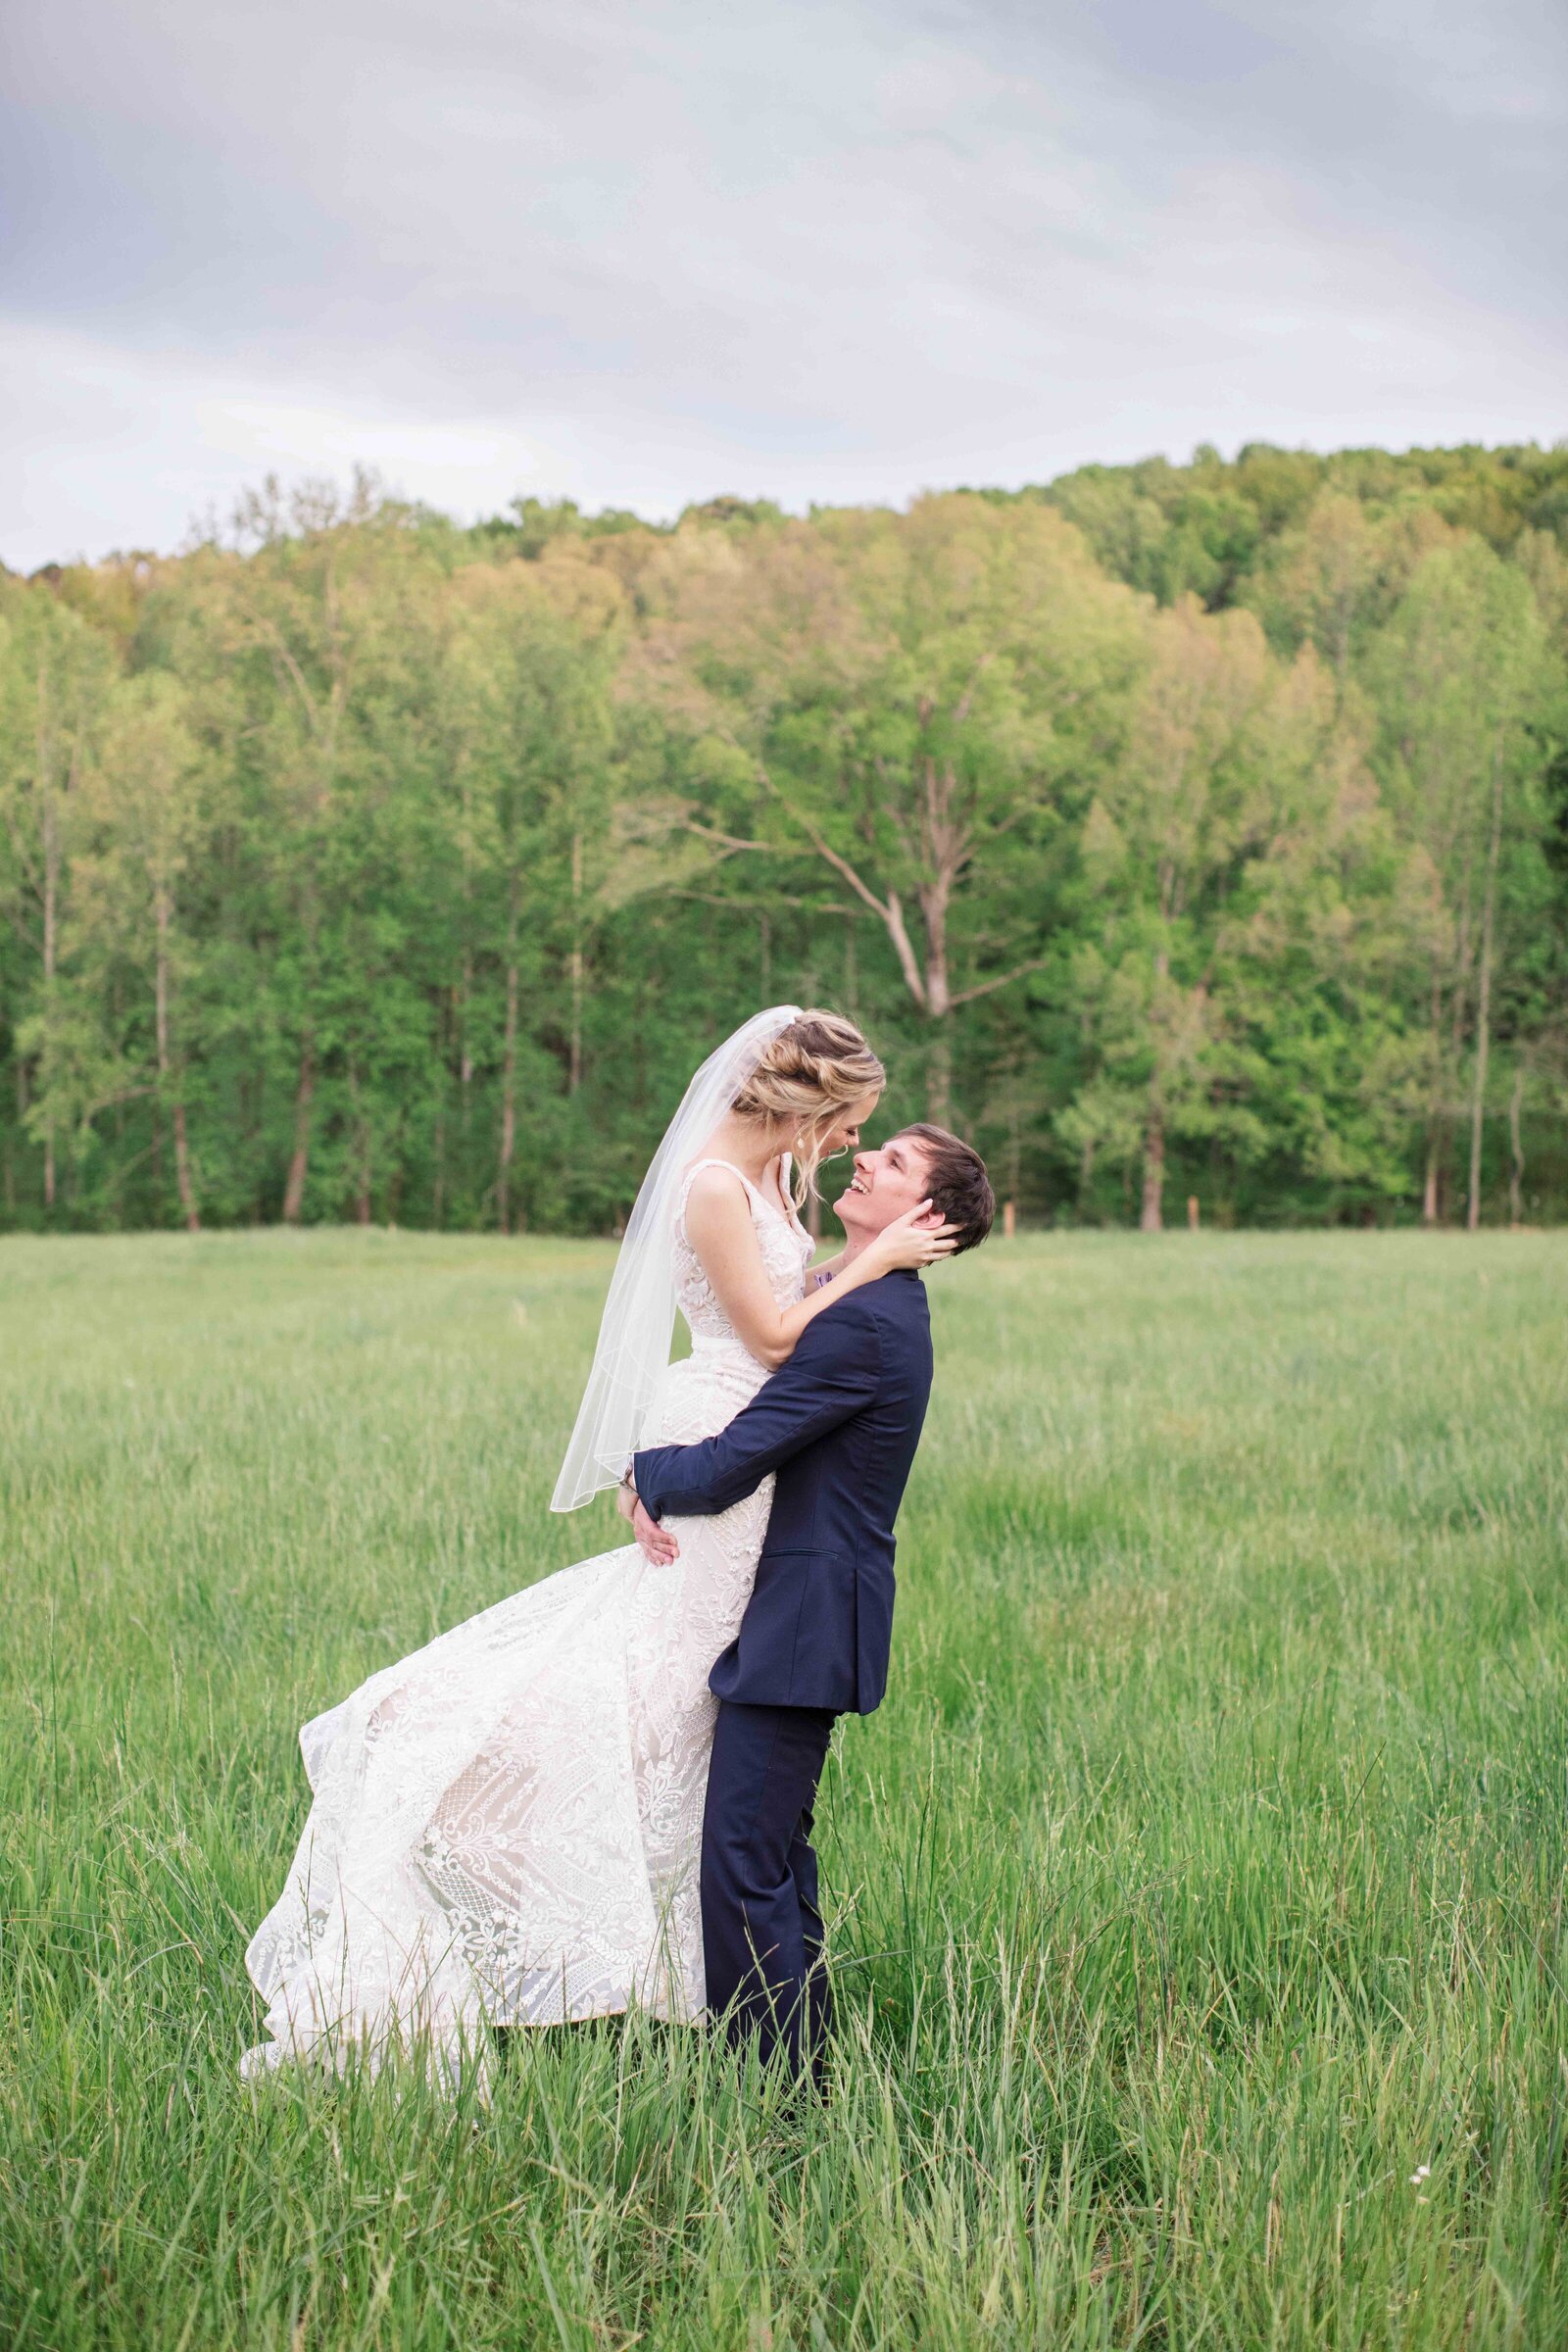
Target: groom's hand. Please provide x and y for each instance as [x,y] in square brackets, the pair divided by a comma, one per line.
[656,1543]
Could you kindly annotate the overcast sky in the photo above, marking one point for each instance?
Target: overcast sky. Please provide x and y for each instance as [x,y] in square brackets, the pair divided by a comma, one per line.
[638,252]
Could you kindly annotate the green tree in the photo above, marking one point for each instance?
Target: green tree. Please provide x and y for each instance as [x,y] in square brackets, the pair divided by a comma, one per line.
[474,840]
[1201,851]
[1333,580]
[317,656]
[533,656]
[141,825]
[55,673]
[922,700]
[1458,676]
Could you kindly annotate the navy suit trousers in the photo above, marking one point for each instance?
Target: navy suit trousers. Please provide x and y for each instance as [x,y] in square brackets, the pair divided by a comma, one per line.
[762,1928]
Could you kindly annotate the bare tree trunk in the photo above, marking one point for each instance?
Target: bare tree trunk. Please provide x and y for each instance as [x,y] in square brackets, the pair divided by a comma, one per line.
[1516,1169]
[117,1003]
[1457,1001]
[462,993]
[362,1153]
[49,826]
[438,1191]
[1153,1217]
[1014,1138]
[299,1163]
[939,1076]
[464,1051]
[509,1069]
[938,1004]
[22,1112]
[1478,1100]
[1430,1210]
[574,1057]
[182,1173]
[574,1063]
[946,849]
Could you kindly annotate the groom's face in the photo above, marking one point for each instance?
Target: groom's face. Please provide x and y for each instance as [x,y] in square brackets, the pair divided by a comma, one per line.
[886,1184]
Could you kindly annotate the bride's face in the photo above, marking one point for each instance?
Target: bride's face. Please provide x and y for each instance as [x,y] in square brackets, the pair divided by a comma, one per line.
[844,1133]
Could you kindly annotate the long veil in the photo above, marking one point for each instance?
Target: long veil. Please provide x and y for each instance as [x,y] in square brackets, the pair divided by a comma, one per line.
[639,1318]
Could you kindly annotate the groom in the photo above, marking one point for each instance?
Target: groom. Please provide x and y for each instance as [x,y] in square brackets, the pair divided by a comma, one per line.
[838,1422]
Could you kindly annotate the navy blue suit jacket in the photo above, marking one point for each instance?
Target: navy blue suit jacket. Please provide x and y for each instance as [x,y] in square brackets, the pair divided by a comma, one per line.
[838,1422]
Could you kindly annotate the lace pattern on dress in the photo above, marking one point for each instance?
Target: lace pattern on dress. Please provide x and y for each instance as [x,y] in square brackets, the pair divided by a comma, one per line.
[505,1825]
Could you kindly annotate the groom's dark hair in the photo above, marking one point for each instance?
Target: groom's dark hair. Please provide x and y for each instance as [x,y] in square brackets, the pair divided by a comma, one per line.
[957,1183]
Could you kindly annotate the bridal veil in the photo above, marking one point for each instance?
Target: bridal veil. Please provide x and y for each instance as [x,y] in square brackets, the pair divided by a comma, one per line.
[639,1319]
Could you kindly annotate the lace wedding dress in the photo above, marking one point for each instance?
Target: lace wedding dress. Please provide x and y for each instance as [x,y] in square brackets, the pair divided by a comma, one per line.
[505,1825]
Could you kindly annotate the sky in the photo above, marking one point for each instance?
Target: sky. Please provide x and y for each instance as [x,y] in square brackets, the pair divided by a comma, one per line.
[643,252]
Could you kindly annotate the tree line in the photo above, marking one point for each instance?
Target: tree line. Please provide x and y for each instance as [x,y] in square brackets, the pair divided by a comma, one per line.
[1179,833]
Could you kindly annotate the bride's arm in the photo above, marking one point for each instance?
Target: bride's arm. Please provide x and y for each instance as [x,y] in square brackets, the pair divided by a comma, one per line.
[719,1227]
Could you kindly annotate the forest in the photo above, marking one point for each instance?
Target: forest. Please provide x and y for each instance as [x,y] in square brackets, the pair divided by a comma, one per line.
[1194,838]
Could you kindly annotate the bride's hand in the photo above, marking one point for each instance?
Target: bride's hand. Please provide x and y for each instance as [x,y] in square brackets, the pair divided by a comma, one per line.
[916,1239]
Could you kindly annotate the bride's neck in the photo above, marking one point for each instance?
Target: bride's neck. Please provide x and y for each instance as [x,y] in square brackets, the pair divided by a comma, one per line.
[750,1146]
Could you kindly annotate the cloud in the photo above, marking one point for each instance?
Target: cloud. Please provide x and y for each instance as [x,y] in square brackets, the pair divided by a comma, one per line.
[638,255]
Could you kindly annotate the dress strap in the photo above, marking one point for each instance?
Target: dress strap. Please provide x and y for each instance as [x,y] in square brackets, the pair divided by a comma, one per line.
[698,1165]
[755,1192]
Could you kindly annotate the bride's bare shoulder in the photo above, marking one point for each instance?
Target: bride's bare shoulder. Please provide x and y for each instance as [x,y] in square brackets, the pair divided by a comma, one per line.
[720,1223]
[717,1195]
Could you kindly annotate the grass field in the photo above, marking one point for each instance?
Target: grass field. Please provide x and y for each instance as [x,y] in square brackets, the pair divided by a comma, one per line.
[1200,1882]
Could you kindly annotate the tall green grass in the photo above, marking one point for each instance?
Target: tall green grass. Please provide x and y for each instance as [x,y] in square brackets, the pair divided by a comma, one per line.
[1200,1882]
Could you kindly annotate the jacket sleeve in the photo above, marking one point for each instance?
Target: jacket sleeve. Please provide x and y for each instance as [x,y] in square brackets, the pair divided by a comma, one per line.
[833,1374]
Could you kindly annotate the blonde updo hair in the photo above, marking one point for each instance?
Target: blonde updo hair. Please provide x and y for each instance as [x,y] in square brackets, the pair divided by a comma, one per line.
[808,1076]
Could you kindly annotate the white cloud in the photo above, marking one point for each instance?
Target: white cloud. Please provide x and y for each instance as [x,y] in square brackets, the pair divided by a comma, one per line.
[639,255]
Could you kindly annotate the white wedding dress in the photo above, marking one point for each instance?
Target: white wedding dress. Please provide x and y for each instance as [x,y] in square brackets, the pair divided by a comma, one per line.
[506,1825]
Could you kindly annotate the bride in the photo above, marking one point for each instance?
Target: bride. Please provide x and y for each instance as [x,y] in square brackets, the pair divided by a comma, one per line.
[505,1825]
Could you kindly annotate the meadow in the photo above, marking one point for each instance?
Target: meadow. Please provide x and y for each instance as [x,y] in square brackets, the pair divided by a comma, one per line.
[1198,1893]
